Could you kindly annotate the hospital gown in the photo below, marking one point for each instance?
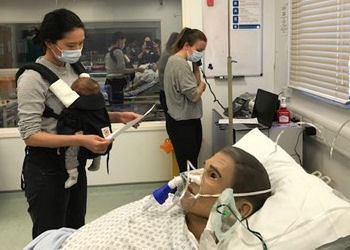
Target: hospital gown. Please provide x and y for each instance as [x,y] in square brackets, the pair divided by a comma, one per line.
[130,227]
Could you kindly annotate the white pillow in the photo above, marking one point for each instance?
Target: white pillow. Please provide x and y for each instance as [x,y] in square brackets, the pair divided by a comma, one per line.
[303,212]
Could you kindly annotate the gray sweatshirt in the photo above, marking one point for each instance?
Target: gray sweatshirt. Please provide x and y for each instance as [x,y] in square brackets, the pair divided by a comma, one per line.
[33,93]
[180,87]
[115,69]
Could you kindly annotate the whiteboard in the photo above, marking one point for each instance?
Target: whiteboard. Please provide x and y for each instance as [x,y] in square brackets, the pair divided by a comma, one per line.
[246,37]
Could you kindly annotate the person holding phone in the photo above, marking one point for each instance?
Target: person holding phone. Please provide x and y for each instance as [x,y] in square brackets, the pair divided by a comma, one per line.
[183,90]
[150,52]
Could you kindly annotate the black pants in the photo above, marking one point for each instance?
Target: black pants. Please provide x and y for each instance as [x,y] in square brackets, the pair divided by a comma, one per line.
[186,137]
[162,101]
[117,86]
[52,206]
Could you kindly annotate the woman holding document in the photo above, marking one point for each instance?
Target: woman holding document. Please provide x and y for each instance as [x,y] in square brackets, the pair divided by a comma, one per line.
[61,36]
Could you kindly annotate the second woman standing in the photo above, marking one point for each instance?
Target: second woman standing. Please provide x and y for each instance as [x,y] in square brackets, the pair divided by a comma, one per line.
[183,90]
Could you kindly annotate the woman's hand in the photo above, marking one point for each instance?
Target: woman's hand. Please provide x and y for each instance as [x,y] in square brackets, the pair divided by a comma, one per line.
[202,85]
[123,117]
[140,69]
[126,117]
[200,89]
[94,143]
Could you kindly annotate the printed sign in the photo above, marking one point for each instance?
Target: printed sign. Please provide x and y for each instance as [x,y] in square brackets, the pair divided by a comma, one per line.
[246,14]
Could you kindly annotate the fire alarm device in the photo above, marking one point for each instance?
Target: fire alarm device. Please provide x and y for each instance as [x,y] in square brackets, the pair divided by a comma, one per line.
[210,2]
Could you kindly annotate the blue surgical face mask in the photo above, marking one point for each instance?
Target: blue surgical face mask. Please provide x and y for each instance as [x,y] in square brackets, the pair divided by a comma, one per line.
[69,56]
[196,56]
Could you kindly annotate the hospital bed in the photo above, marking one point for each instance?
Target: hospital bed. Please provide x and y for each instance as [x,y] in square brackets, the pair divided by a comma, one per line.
[303,212]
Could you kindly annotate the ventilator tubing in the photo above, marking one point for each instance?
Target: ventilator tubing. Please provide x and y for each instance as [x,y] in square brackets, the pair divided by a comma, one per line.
[178,184]
[162,194]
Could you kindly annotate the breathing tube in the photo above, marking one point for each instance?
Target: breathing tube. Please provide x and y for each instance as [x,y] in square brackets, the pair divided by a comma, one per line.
[162,194]
[178,185]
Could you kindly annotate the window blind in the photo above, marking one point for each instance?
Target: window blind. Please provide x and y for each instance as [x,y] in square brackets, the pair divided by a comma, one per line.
[320,48]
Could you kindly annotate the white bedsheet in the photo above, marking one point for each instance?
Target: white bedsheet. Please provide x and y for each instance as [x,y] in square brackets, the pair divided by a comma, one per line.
[127,228]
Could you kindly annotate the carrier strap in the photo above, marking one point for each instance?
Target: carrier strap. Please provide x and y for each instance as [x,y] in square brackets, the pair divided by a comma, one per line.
[78,68]
[61,90]
[48,112]
[107,163]
[44,71]
[111,53]
[47,73]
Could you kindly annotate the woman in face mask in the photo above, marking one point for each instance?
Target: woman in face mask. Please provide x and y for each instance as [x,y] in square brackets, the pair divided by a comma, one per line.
[61,35]
[183,90]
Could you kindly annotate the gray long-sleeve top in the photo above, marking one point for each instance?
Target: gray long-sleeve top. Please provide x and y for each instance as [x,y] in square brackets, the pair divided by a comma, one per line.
[33,93]
[115,69]
[180,87]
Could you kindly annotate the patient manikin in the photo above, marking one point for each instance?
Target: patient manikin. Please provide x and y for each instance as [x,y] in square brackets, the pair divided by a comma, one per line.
[225,221]
[182,220]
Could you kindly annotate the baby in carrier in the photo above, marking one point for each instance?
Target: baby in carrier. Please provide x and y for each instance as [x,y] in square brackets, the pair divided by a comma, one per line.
[85,112]
[83,86]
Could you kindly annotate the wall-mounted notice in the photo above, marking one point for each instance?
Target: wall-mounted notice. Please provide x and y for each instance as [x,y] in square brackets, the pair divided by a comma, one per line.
[246,14]
[245,20]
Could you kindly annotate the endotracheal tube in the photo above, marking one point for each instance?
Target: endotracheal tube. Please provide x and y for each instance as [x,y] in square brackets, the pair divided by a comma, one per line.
[178,183]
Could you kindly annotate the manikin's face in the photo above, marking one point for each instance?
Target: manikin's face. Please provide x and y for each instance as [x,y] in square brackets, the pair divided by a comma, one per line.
[218,175]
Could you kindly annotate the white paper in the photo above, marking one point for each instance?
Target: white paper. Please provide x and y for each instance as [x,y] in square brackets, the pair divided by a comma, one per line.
[129,124]
[240,121]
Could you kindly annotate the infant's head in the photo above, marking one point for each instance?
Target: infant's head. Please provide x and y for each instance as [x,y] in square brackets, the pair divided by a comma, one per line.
[85,86]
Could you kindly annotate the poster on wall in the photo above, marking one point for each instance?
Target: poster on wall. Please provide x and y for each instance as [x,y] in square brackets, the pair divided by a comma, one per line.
[245,20]
[246,14]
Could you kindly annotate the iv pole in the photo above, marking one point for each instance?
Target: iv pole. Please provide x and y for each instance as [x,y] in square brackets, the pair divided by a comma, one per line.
[229,77]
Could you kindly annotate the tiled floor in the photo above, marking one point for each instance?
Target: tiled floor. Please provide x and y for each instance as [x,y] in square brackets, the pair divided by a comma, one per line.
[15,223]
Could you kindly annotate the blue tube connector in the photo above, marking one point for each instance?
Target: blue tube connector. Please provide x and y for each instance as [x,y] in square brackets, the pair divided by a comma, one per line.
[161,194]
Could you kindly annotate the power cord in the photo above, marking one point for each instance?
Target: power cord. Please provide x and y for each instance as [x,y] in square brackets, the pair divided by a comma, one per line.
[295,148]
[211,91]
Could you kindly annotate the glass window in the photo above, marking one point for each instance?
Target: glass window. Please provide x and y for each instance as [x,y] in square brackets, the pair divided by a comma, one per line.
[135,19]
[320,49]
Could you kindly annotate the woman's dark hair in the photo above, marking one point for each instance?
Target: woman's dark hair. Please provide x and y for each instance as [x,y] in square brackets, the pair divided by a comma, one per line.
[190,36]
[171,41]
[117,36]
[55,25]
[249,176]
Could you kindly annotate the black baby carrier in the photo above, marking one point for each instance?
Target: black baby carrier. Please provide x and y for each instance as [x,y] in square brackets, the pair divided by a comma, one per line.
[82,113]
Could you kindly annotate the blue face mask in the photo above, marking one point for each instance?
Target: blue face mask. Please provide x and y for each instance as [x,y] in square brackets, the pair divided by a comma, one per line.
[196,56]
[69,56]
